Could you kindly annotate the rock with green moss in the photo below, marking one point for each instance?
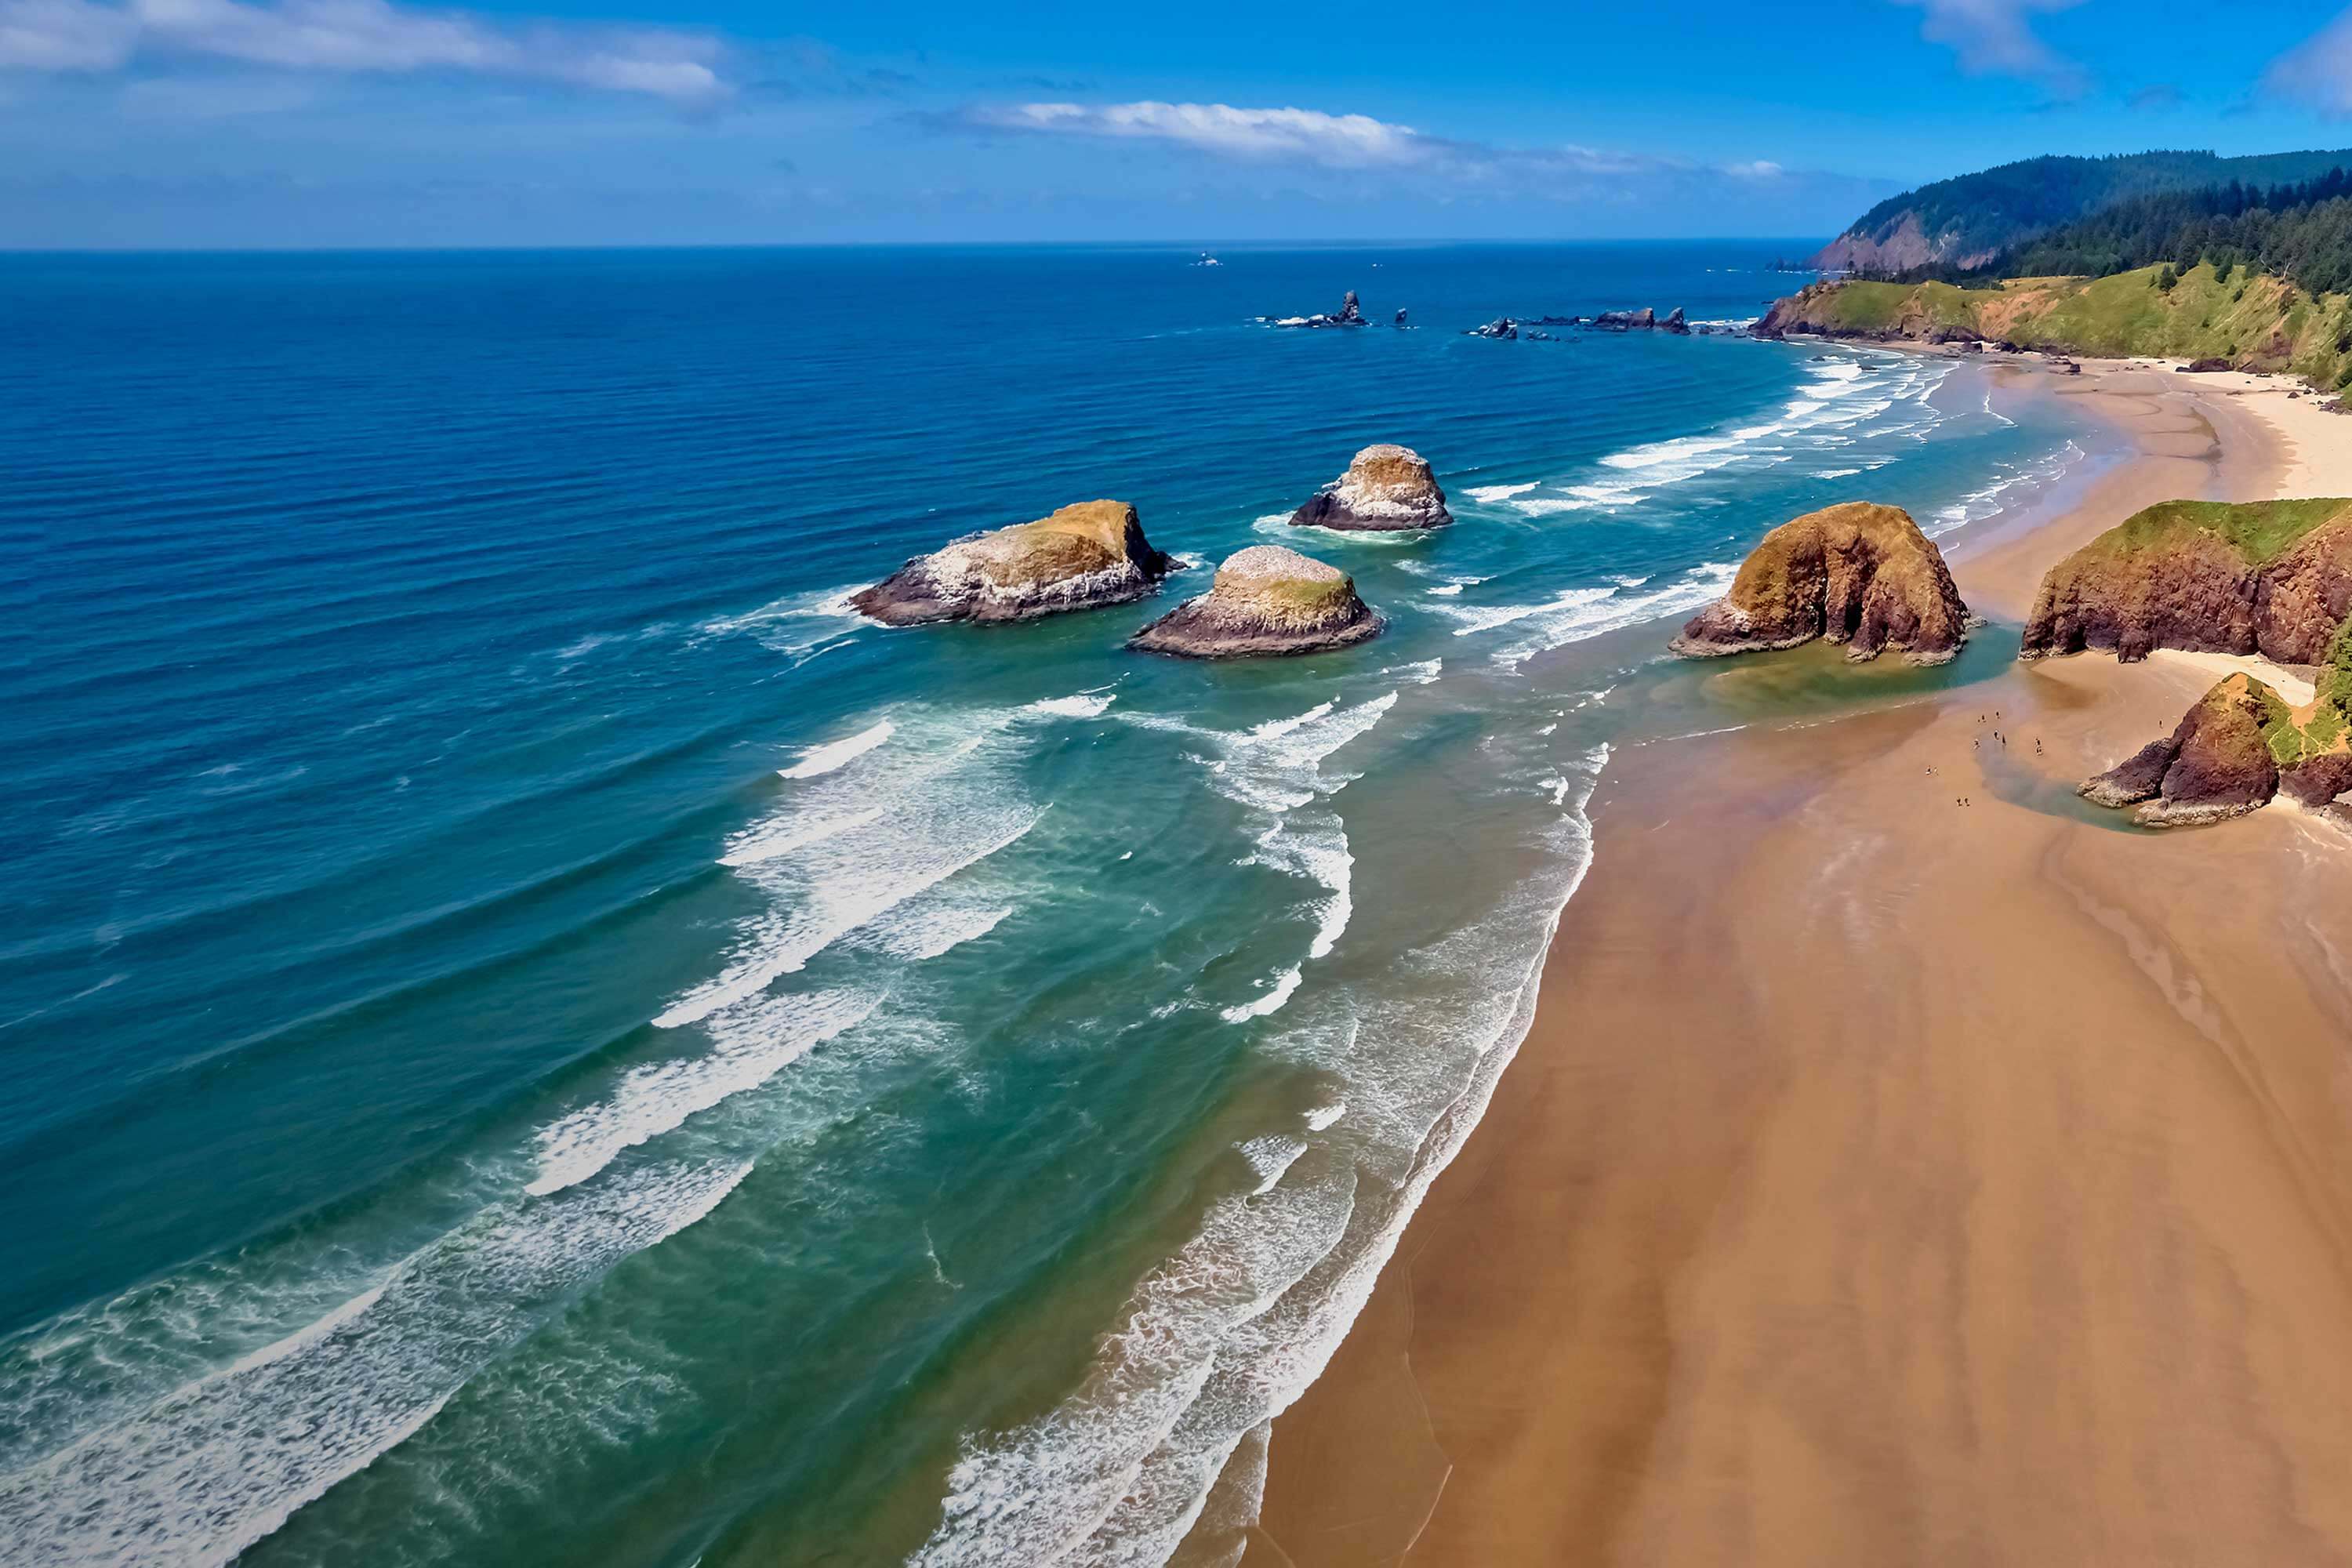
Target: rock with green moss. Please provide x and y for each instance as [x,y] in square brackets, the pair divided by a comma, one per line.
[1080,558]
[2218,763]
[1265,600]
[2268,577]
[1858,573]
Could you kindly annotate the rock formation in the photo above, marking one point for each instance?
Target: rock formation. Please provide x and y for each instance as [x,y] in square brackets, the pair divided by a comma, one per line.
[1265,600]
[1386,488]
[1675,322]
[1625,321]
[2218,763]
[2267,577]
[1350,313]
[1858,573]
[1500,327]
[1082,557]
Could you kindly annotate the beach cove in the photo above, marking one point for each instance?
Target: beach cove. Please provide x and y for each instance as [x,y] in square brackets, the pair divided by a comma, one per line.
[1884,1178]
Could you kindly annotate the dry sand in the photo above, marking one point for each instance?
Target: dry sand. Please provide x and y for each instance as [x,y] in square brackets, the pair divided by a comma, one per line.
[1890,1181]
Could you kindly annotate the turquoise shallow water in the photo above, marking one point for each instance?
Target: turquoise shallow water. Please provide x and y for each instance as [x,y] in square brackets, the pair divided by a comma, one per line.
[531,1035]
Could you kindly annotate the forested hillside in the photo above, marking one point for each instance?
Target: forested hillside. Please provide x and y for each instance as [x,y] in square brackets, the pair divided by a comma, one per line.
[1969,220]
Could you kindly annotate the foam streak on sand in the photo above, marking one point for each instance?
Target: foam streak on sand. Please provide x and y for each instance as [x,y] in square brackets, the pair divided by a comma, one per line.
[1235,1328]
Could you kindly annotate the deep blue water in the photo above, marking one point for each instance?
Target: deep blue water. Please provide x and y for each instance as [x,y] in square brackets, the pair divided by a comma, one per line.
[530,1033]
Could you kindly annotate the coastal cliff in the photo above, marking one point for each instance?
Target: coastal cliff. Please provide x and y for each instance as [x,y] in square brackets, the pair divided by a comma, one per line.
[1265,600]
[2273,578]
[1387,488]
[1079,558]
[1857,574]
[2245,322]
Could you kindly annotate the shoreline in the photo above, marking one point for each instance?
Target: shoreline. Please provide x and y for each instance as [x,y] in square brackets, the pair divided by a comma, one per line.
[1806,1228]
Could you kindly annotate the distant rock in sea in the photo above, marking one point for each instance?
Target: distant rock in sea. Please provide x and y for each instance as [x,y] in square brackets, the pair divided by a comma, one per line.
[1501,328]
[1386,488]
[1626,321]
[1350,313]
[1858,573]
[1080,558]
[1266,600]
[2267,577]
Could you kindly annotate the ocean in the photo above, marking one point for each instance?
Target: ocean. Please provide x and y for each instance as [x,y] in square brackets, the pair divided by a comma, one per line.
[533,1034]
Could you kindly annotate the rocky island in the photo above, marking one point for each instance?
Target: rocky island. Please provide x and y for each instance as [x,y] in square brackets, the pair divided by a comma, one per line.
[2273,578]
[1080,558]
[1857,574]
[1387,488]
[1265,600]
[1350,313]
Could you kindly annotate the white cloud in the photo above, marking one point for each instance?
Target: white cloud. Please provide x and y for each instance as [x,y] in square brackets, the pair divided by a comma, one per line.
[2319,70]
[64,36]
[1995,37]
[350,37]
[1331,141]
[1760,169]
[1342,141]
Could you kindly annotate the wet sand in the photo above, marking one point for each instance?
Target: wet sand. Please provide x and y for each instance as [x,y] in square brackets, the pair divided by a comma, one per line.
[1887,1180]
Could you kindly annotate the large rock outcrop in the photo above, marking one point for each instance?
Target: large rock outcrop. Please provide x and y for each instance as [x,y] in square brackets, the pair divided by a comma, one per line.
[2218,763]
[2267,577]
[1387,488]
[1858,573]
[1080,558]
[1265,600]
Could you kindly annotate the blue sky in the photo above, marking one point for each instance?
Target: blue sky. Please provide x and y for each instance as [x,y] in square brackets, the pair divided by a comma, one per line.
[343,123]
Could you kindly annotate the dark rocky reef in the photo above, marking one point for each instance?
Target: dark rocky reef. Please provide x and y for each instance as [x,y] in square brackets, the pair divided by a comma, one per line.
[1387,488]
[1858,573]
[1080,558]
[2267,577]
[1350,313]
[1502,328]
[1266,600]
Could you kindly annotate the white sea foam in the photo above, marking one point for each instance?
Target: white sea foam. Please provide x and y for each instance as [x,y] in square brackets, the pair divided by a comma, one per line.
[1270,1156]
[223,1459]
[1323,1116]
[1446,589]
[1501,492]
[859,873]
[921,934]
[1575,613]
[1083,705]
[750,1043]
[1228,1333]
[1278,991]
[818,760]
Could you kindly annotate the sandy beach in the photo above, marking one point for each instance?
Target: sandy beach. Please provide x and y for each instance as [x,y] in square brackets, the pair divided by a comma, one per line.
[1887,1179]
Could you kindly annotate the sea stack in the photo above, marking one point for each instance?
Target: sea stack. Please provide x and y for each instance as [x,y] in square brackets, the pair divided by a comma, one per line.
[1858,573]
[1387,488]
[1265,600]
[1080,558]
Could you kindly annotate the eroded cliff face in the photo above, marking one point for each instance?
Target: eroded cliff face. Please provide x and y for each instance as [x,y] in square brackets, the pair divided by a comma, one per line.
[1857,574]
[1079,558]
[2267,577]
[1266,600]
